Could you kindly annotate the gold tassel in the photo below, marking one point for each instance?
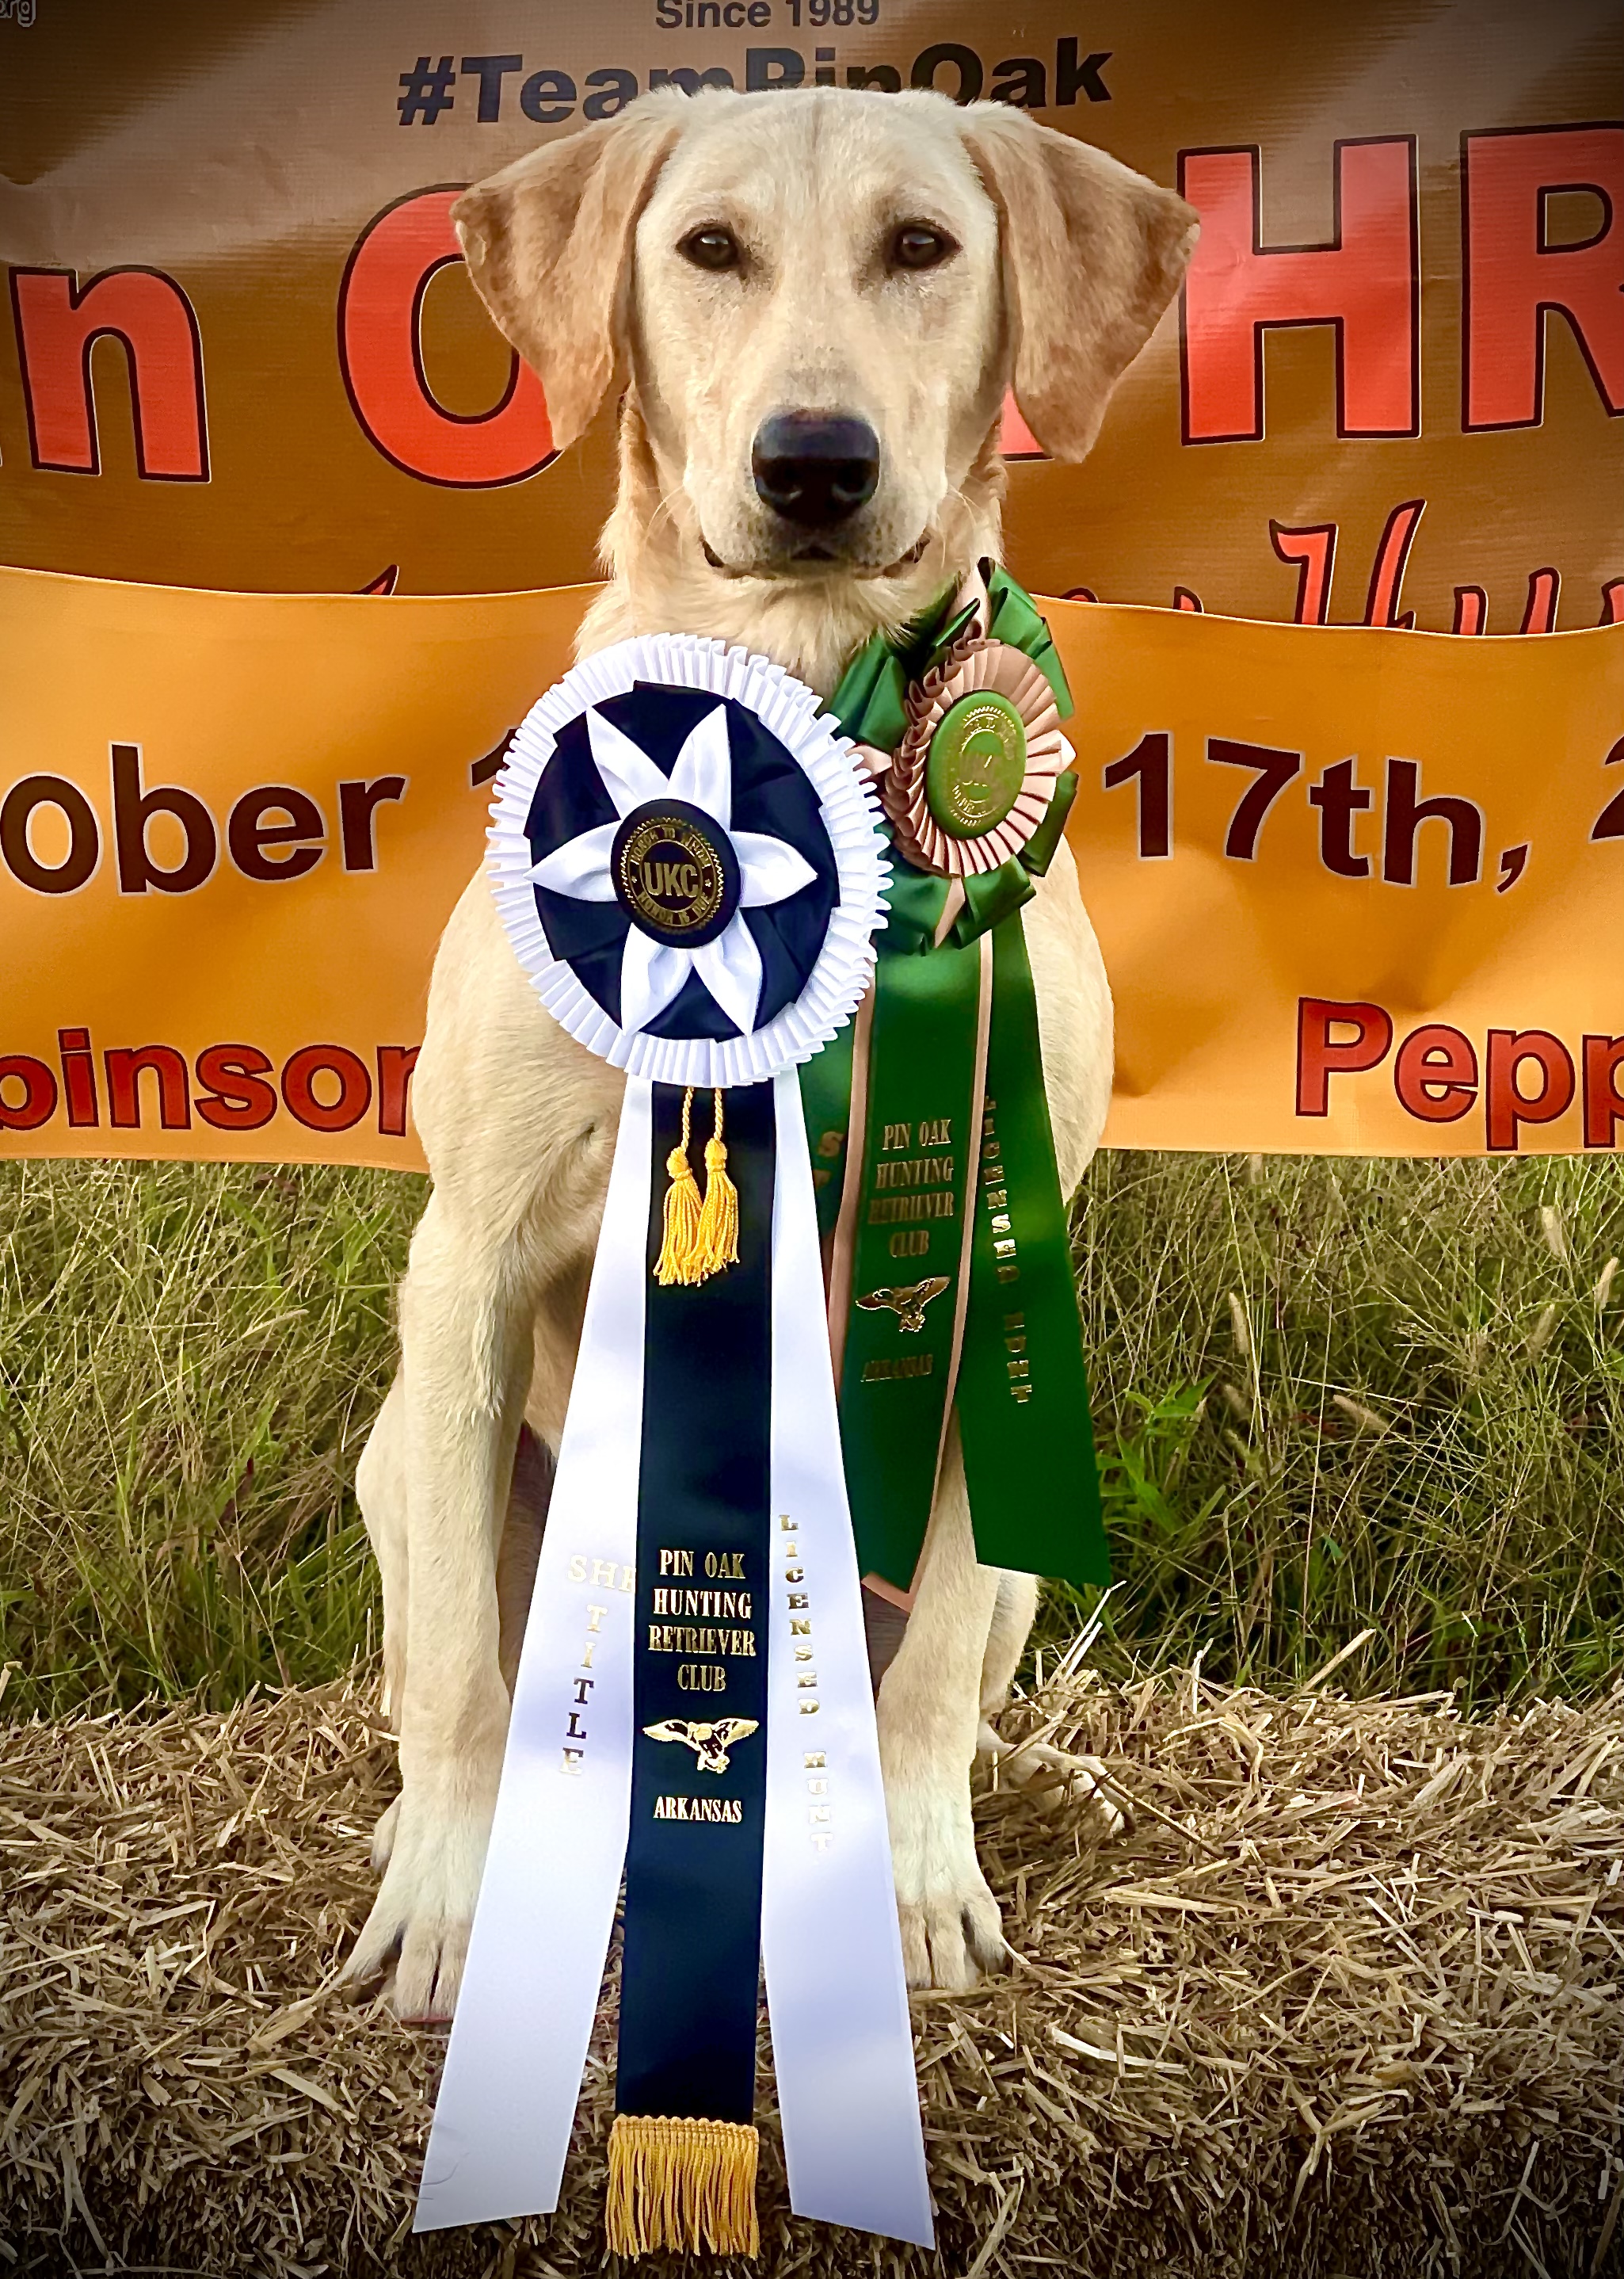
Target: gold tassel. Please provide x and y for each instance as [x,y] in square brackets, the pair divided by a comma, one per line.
[678,1259]
[717,1245]
[689,2185]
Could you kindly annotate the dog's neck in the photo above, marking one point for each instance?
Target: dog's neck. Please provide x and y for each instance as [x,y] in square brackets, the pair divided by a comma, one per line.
[660,581]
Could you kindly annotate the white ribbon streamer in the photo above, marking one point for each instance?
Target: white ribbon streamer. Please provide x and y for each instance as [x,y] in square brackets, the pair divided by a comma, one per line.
[842,2045]
[842,2042]
[558,1844]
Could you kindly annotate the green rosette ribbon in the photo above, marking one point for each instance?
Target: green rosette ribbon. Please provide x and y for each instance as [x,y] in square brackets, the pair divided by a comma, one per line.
[962,1298]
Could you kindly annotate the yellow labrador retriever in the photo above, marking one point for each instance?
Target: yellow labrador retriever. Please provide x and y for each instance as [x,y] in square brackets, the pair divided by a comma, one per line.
[814,304]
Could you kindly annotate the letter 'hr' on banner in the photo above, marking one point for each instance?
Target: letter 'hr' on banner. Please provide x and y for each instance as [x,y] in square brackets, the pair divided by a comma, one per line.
[1358,890]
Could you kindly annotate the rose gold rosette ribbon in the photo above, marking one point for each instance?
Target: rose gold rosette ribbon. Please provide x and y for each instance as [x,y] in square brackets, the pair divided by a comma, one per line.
[972,664]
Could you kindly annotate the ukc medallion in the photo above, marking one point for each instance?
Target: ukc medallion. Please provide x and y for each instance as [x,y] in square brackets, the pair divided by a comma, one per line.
[676,879]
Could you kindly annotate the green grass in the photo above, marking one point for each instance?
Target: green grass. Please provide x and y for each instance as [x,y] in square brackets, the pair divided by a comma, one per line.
[190,1357]
[1330,1397]
[1340,1396]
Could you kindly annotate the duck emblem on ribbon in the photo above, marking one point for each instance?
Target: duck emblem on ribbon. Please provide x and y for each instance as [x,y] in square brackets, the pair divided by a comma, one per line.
[710,1743]
[907,1305]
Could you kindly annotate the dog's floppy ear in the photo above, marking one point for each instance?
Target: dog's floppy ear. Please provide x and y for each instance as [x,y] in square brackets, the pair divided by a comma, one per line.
[548,245]
[1093,254]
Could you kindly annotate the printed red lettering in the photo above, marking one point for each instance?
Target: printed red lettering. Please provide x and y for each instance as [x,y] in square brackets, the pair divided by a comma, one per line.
[1015,439]
[77,1076]
[1320,1056]
[299,1088]
[396,1063]
[1516,279]
[1507,1105]
[1604,1102]
[58,323]
[235,1098]
[380,348]
[1364,282]
[1387,570]
[38,1103]
[1436,1074]
[1539,610]
[1314,548]
[125,1068]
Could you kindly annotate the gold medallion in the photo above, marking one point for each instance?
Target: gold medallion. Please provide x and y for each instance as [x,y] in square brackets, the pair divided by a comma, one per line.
[976,763]
[672,877]
[975,770]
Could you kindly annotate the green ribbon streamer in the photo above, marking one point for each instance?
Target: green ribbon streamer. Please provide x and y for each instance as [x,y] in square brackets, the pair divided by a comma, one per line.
[1022,1389]
[872,700]
[826,1105]
[1021,1392]
[909,1250]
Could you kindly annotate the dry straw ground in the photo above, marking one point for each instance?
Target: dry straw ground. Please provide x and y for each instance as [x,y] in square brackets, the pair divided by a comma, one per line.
[1345,2006]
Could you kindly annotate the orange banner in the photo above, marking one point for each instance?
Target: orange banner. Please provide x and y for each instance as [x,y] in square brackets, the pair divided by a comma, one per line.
[1358,891]
[241,350]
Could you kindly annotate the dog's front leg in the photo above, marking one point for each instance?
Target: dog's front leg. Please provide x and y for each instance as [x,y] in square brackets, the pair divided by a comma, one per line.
[466,1311]
[929,1714]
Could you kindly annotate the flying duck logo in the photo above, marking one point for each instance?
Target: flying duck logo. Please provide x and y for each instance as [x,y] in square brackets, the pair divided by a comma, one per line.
[710,1743]
[907,1304]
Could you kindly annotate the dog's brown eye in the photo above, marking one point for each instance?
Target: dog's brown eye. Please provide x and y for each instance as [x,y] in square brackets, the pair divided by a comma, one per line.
[710,249]
[916,247]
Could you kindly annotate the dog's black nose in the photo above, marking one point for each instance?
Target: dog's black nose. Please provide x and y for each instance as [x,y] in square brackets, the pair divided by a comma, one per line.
[814,470]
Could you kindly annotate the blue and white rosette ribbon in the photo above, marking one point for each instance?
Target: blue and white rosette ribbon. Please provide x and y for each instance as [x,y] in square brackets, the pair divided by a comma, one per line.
[684,726]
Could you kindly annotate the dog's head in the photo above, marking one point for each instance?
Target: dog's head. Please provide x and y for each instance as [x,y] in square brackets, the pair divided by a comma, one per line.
[820,300]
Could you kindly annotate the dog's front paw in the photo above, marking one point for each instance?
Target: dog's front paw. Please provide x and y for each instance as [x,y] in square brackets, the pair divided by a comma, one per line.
[951,1934]
[1055,1781]
[424,1911]
[952,1931]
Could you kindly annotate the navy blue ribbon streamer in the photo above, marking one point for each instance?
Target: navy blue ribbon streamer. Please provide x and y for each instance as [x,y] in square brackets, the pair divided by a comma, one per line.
[694,1886]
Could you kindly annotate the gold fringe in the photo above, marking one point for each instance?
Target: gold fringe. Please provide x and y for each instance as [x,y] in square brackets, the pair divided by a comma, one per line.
[717,1243]
[678,1251]
[689,2185]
